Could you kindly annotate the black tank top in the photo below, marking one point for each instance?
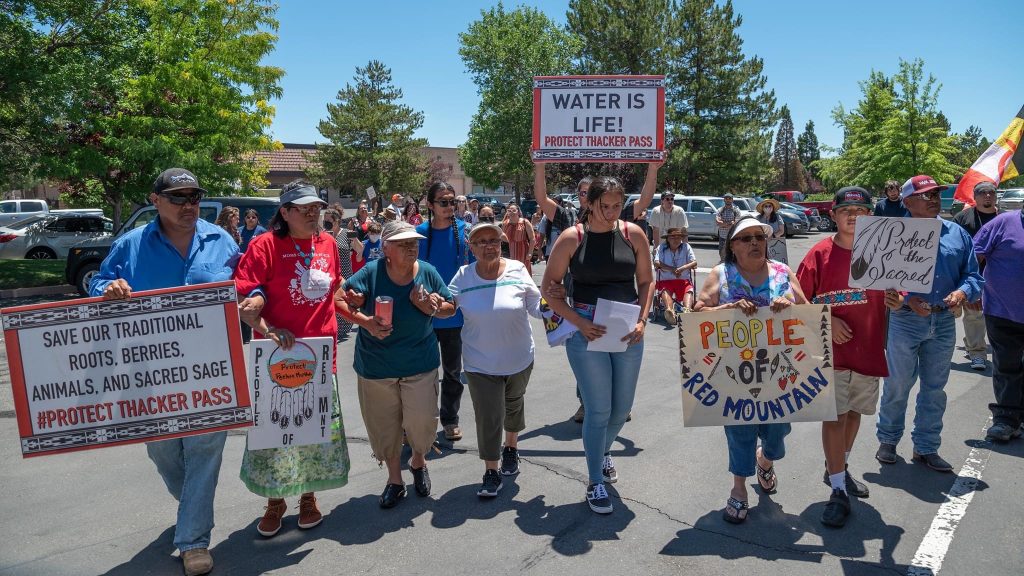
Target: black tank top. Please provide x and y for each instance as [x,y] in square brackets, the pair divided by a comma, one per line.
[603,266]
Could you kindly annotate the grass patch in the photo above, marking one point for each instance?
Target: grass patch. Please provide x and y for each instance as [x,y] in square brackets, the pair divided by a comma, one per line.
[31,273]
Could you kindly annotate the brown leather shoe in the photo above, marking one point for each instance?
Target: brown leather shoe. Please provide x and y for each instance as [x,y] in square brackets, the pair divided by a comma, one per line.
[270,524]
[452,432]
[309,514]
[197,561]
[579,415]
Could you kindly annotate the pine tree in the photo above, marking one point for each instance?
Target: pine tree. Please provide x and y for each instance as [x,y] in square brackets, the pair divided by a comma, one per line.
[807,146]
[785,158]
[370,136]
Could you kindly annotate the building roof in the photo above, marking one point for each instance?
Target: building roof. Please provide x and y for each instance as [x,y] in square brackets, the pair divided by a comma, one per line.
[293,159]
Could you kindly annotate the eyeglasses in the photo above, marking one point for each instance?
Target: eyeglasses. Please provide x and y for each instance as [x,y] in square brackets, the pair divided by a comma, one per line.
[985,193]
[491,242]
[927,196]
[308,209]
[669,198]
[328,224]
[751,238]
[487,218]
[182,199]
[460,201]
[444,203]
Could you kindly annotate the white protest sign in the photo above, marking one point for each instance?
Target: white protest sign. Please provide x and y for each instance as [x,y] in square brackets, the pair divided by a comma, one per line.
[777,250]
[292,393]
[762,369]
[371,193]
[896,253]
[598,118]
[92,373]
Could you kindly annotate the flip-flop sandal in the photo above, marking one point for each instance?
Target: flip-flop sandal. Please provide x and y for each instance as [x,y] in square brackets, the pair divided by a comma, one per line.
[739,508]
[767,479]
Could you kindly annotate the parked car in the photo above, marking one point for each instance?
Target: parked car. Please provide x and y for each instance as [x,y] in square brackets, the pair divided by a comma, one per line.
[811,215]
[793,216]
[824,211]
[12,211]
[1012,199]
[495,205]
[786,195]
[51,236]
[84,259]
[528,208]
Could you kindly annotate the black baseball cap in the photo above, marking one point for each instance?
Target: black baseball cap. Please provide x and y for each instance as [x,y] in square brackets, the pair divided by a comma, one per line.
[852,196]
[176,179]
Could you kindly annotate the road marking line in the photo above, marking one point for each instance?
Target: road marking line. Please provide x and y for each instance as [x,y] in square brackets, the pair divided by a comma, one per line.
[932,551]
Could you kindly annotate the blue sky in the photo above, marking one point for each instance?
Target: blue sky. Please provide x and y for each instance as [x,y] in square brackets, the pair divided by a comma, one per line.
[814,52]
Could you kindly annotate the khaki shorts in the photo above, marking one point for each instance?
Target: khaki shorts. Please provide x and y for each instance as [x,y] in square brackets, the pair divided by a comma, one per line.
[391,405]
[856,392]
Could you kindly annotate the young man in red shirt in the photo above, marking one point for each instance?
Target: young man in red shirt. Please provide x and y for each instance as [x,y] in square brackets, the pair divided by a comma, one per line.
[858,337]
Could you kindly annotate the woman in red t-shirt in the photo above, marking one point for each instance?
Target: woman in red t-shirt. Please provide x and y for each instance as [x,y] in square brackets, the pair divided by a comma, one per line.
[520,235]
[298,268]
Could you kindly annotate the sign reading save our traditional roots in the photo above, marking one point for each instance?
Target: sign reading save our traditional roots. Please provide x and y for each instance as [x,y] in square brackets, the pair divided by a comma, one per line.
[598,118]
[92,373]
[896,253]
[291,393]
[762,369]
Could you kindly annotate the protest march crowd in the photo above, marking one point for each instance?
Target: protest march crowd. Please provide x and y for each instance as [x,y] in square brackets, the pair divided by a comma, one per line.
[448,299]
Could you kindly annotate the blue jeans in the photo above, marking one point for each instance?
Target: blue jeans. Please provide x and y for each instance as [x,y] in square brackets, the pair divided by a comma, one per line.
[189,467]
[742,441]
[607,383]
[917,347]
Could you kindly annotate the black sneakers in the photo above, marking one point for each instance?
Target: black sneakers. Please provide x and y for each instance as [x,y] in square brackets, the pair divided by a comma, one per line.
[837,509]
[611,475]
[597,498]
[491,485]
[509,461]
[853,486]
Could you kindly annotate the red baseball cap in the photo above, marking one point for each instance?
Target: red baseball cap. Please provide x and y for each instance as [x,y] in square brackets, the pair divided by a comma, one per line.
[919,185]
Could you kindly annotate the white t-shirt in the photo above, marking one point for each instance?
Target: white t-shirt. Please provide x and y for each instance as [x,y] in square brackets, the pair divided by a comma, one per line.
[496,337]
[665,255]
[665,220]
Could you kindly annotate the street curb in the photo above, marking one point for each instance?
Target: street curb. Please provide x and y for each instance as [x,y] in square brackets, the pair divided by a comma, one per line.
[38,291]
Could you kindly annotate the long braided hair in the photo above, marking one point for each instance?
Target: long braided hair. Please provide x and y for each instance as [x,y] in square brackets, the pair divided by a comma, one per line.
[435,189]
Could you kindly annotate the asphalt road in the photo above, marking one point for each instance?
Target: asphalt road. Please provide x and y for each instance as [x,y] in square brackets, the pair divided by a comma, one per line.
[106,511]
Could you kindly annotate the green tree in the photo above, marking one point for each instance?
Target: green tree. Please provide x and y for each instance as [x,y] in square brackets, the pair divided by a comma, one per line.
[370,137]
[176,82]
[503,51]
[620,36]
[716,101]
[785,158]
[969,147]
[807,145]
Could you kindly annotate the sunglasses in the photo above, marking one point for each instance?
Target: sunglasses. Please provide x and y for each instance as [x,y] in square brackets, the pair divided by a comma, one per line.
[487,218]
[445,203]
[182,199]
[751,238]
[927,196]
[308,209]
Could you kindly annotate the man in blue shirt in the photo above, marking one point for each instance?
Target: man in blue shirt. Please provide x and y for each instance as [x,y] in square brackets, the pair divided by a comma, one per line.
[892,205]
[177,249]
[922,335]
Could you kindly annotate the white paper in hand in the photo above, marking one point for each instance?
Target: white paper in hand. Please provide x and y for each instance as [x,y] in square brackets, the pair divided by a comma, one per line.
[619,319]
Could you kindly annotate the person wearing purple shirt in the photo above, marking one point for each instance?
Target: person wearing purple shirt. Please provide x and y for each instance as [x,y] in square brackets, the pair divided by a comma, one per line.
[1000,244]
[922,336]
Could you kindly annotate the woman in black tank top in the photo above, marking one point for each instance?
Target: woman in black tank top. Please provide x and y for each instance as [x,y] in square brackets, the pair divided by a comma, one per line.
[607,258]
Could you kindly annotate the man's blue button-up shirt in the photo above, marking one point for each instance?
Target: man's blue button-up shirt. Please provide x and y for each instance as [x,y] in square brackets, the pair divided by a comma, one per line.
[147,260]
[956,267]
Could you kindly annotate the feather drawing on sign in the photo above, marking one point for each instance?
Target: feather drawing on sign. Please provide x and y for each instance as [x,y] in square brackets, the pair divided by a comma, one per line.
[864,250]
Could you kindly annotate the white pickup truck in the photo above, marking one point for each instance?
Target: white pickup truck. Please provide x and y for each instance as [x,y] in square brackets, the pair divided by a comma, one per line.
[12,211]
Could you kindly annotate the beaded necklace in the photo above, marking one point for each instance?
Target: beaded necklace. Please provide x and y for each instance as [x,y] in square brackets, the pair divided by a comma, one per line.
[307,258]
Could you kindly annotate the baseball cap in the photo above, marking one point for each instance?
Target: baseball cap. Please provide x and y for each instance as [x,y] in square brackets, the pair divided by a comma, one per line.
[300,195]
[667,194]
[984,187]
[399,230]
[396,198]
[176,179]
[919,185]
[852,196]
[481,226]
[727,195]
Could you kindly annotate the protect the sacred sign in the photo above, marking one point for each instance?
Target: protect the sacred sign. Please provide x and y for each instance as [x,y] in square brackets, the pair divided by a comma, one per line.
[291,393]
[92,373]
[762,369]
[598,118]
[898,253]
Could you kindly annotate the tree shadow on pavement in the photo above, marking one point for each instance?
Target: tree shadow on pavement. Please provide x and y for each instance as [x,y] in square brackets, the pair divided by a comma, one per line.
[917,480]
[849,543]
[769,534]
[573,527]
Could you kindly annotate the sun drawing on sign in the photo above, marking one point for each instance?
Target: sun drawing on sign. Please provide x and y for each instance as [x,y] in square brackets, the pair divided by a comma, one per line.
[747,354]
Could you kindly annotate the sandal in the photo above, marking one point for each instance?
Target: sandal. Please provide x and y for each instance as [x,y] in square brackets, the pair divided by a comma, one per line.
[766,478]
[735,511]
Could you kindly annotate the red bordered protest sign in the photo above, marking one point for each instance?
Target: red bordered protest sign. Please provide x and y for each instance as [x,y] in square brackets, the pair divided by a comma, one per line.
[92,373]
[598,118]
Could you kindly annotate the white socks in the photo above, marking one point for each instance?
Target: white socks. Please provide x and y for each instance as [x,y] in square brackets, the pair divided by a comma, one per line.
[838,481]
